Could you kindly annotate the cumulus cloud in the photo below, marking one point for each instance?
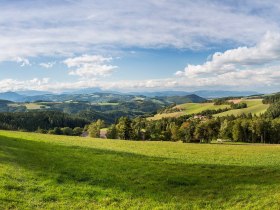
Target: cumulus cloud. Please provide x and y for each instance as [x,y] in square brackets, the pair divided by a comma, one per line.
[90,66]
[47,65]
[242,62]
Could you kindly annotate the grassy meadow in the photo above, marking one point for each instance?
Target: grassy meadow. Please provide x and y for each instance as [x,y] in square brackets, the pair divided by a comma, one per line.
[40,171]
[189,108]
[255,106]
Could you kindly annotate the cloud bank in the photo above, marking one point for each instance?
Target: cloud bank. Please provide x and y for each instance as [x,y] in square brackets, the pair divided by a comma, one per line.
[49,28]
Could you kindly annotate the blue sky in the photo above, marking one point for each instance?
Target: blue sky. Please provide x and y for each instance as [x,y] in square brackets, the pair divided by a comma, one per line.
[134,45]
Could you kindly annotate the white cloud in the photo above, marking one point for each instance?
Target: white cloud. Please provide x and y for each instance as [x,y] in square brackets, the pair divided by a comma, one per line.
[23,61]
[264,80]
[14,85]
[78,61]
[90,66]
[77,27]
[239,60]
[255,68]
[47,65]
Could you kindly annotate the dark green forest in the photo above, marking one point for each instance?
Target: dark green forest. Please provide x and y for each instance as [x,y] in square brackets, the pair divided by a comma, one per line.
[32,121]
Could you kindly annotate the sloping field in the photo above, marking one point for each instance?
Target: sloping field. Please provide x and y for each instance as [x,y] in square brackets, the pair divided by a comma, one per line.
[193,108]
[56,172]
[255,106]
[189,108]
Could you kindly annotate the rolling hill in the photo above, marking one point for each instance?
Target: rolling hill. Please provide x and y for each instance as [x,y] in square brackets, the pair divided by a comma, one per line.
[192,98]
[255,106]
[188,108]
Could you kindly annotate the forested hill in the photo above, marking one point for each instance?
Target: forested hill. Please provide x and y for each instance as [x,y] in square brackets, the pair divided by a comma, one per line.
[273,98]
[192,98]
[106,106]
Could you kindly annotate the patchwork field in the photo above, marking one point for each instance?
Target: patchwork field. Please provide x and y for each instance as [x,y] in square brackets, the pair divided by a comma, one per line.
[57,172]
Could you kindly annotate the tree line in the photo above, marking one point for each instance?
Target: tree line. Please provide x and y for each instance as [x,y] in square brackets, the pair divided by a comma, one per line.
[245,128]
[270,99]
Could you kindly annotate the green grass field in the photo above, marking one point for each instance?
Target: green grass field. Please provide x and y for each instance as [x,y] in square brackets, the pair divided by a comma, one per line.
[255,106]
[189,108]
[57,172]
[193,108]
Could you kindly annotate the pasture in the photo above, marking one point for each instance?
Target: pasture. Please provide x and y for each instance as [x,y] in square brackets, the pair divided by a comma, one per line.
[40,171]
[189,108]
[255,107]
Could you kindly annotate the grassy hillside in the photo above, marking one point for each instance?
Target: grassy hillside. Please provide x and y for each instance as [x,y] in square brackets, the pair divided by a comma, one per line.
[189,108]
[255,106]
[58,172]
[193,108]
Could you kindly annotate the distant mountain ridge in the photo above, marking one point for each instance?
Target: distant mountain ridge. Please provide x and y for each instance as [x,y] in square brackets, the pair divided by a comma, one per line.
[201,93]
[100,98]
[32,92]
[223,93]
[89,93]
[11,96]
[161,93]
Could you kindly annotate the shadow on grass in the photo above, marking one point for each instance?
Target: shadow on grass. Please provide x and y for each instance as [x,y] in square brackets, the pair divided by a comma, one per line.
[139,176]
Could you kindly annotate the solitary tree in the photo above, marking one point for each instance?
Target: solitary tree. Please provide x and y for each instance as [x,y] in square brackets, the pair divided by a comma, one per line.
[124,128]
[112,132]
[94,128]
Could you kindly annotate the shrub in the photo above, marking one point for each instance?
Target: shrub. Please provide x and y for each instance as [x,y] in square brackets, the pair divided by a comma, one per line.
[67,131]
